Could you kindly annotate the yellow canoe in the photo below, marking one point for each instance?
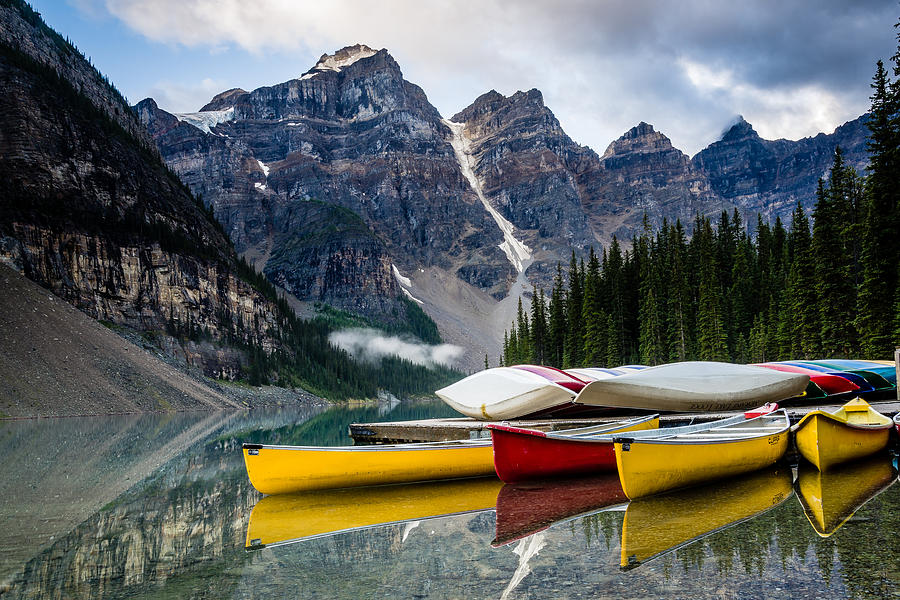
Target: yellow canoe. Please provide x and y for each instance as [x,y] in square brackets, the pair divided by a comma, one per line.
[288,518]
[853,431]
[285,469]
[831,497]
[666,522]
[651,464]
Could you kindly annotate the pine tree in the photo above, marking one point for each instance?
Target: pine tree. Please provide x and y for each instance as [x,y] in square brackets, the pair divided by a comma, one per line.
[679,300]
[802,304]
[711,334]
[575,303]
[879,250]
[613,284]
[538,327]
[833,265]
[651,326]
[594,350]
[557,322]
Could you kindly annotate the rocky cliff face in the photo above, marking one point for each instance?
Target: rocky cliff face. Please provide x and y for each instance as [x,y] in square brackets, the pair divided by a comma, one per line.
[88,210]
[642,173]
[770,177]
[527,169]
[353,135]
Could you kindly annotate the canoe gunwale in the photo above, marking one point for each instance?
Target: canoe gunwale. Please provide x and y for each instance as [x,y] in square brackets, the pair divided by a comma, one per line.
[682,439]
[887,424]
[446,445]
[601,432]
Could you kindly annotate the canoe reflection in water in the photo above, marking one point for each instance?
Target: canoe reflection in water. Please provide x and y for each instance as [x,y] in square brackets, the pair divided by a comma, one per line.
[287,518]
[529,507]
[655,525]
[831,498]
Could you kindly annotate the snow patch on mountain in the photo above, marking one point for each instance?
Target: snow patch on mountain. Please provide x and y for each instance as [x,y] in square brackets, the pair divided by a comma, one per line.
[516,251]
[207,119]
[405,283]
[339,60]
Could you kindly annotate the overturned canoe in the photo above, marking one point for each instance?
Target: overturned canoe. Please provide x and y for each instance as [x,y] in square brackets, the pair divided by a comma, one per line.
[831,383]
[864,386]
[694,386]
[288,518]
[888,371]
[522,454]
[853,431]
[651,464]
[511,392]
[659,524]
[831,497]
[284,469]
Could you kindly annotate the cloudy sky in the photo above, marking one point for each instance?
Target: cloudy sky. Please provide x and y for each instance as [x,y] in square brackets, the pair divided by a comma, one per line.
[792,68]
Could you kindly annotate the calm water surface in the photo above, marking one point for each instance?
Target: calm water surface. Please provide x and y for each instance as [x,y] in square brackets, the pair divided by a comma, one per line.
[158,506]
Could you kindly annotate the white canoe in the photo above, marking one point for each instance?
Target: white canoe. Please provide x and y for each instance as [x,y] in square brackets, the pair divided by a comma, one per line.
[504,393]
[694,386]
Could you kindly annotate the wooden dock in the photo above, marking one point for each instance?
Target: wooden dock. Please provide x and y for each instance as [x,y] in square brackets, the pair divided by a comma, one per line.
[465,428]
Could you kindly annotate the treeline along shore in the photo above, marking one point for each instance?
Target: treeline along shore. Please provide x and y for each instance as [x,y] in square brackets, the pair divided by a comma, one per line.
[778,293]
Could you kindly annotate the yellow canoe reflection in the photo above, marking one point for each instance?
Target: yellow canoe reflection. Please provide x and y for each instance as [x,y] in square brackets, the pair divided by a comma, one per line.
[287,518]
[830,498]
[657,524]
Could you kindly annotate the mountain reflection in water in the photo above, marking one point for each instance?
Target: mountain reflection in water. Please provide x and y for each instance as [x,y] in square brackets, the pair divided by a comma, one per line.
[158,505]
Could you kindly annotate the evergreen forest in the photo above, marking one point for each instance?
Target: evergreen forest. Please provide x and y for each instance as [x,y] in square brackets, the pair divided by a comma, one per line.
[741,292]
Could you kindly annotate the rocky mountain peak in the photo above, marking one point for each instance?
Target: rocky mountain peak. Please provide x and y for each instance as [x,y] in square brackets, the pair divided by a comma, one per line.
[641,139]
[493,101]
[343,58]
[224,99]
[740,130]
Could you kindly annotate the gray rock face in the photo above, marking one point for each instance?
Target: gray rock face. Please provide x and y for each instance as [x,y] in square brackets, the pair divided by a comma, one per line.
[642,173]
[528,168]
[770,177]
[353,134]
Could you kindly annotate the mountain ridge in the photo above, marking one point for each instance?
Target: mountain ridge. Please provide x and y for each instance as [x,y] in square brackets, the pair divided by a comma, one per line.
[373,140]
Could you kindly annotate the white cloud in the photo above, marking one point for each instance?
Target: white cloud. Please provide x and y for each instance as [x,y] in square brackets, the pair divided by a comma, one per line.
[373,345]
[795,112]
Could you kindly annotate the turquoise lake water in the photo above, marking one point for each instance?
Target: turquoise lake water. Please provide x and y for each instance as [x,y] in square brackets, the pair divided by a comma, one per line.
[159,506]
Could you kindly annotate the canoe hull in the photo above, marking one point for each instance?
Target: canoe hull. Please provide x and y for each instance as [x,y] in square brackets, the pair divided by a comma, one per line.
[650,466]
[826,441]
[694,386]
[283,469]
[522,454]
[504,393]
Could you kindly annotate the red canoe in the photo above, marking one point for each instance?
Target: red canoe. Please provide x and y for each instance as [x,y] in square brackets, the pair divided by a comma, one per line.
[526,508]
[524,454]
[830,384]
